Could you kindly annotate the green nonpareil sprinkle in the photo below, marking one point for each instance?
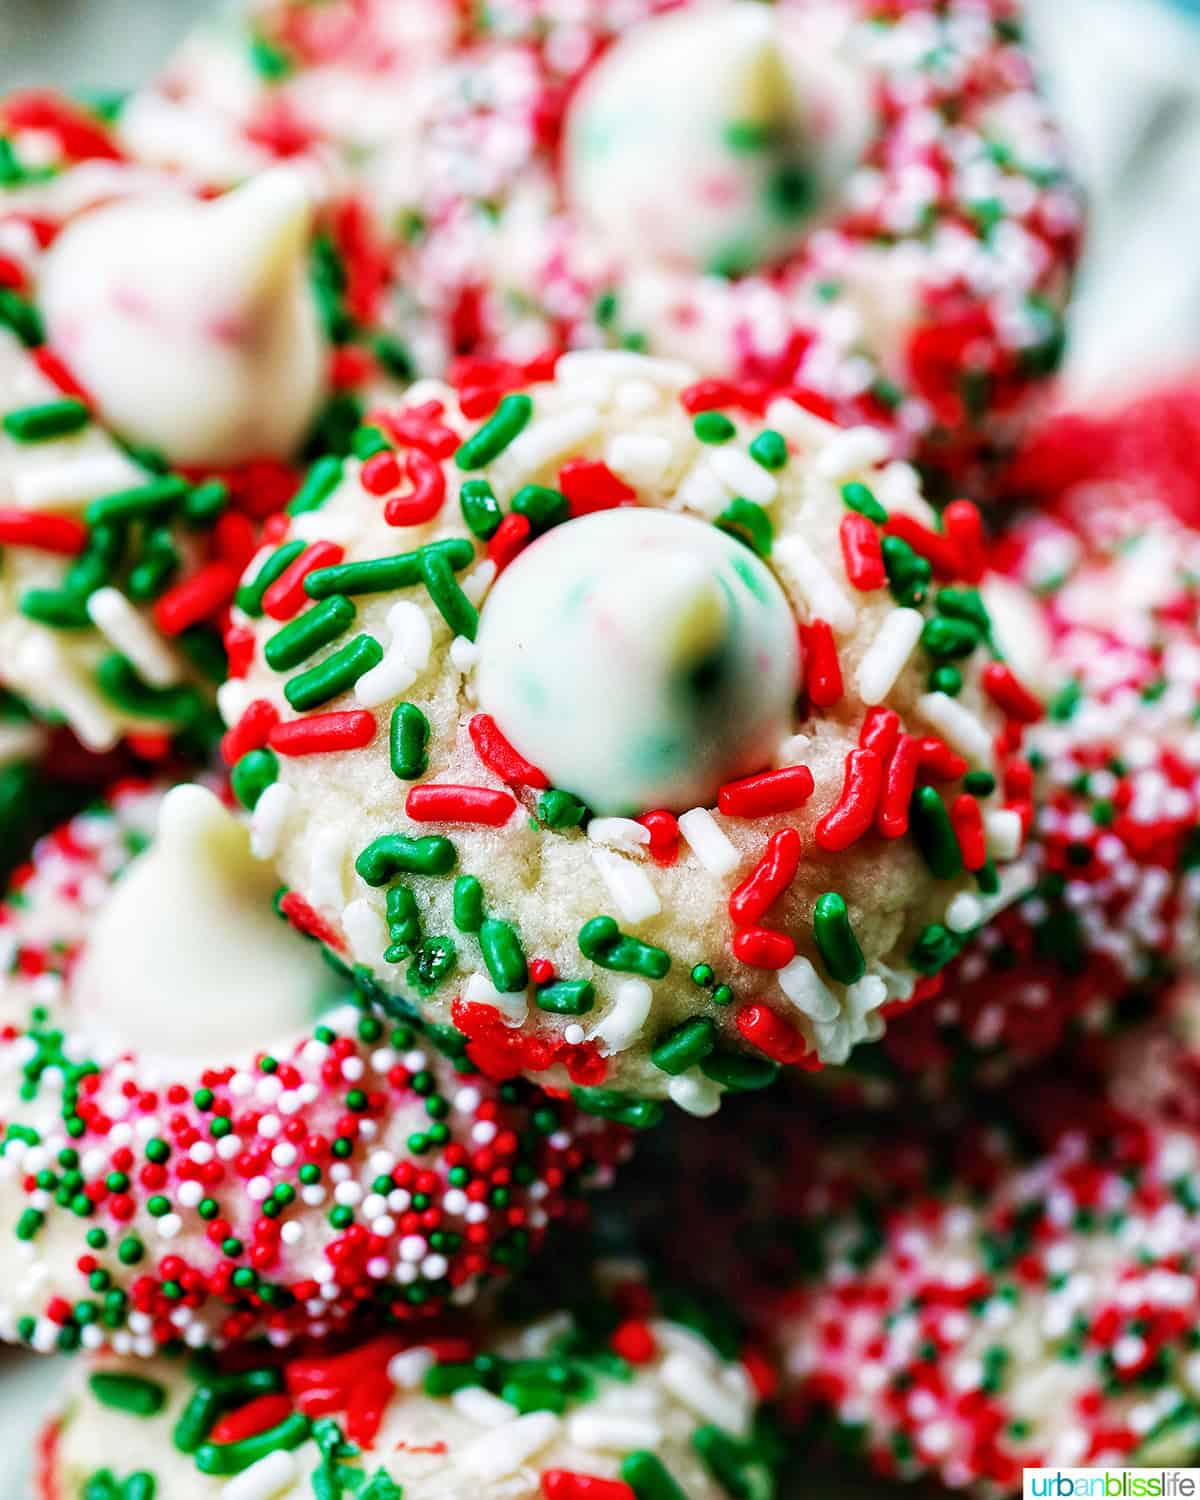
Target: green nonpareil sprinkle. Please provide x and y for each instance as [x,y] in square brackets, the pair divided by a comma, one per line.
[381,575]
[319,483]
[508,420]
[934,834]
[605,944]
[249,597]
[566,997]
[128,1393]
[481,511]
[397,854]
[307,633]
[253,774]
[713,427]
[684,1047]
[748,522]
[334,676]
[541,507]
[155,498]
[49,420]
[946,679]
[468,904]
[452,604]
[835,939]
[503,956]
[859,498]
[622,1109]
[408,738]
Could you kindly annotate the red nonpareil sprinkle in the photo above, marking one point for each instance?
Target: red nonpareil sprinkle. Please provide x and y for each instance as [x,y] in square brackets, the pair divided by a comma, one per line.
[435,803]
[663,828]
[854,814]
[239,649]
[79,136]
[196,598]
[939,761]
[964,527]
[763,948]
[286,597]
[511,537]
[634,1340]
[880,732]
[591,486]
[249,1420]
[767,1031]
[862,553]
[381,473]
[769,792]
[899,783]
[61,535]
[1009,695]
[938,551]
[541,971]
[822,670]
[251,731]
[427,496]
[966,818]
[55,369]
[498,755]
[768,880]
[566,1484]
[323,734]
[305,918]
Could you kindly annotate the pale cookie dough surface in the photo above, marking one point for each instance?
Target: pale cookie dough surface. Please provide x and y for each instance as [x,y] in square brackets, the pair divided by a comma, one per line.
[325,806]
[679,1402]
[204,1139]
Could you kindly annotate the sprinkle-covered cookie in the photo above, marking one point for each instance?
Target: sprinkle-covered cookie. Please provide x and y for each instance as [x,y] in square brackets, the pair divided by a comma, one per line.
[650,734]
[205,1139]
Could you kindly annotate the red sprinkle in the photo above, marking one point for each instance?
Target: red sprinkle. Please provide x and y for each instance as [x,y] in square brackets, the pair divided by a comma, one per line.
[196,598]
[634,1341]
[591,486]
[427,496]
[511,537]
[498,755]
[380,475]
[79,136]
[420,427]
[763,948]
[439,803]
[880,732]
[251,731]
[823,672]
[305,918]
[322,734]
[566,1484]
[846,823]
[769,792]
[249,1420]
[938,550]
[55,369]
[286,597]
[862,553]
[964,526]
[239,649]
[1009,695]
[966,818]
[942,763]
[899,783]
[46,533]
[663,828]
[769,878]
[766,1030]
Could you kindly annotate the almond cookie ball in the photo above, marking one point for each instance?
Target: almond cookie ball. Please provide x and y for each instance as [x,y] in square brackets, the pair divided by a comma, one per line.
[206,1138]
[649,734]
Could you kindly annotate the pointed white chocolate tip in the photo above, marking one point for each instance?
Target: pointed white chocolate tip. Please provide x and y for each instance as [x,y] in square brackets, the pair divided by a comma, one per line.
[259,232]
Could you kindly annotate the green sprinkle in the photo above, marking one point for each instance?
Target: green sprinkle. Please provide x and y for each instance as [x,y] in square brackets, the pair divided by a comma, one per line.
[737,1467]
[29,1223]
[21,317]
[137,503]
[566,997]
[509,419]
[155,568]
[713,427]
[686,1046]
[468,904]
[128,1393]
[838,946]
[452,604]
[334,676]
[480,509]
[307,633]
[965,604]
[769,449]
[52,419]
[120,683]
[403,922]
[605,944]
[935,948]
[253,774]
[232,1458]
[934,834]
[504,956]
[948,639]
[559,809]
[408,738]
[909,576]
[206,502]
[319,483]
[541,507]
[382,575]
[250,595]
[749,523]
[858,497]
[946,679]
[738,1073]
[979,783]
[367,442]
[648,1478]
[623,1109]
[56,608]
[397,854]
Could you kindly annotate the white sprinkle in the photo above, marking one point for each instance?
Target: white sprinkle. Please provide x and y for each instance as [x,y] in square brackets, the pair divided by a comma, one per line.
[269,1477]
[957,725]
[269,819]
[701,489]
[464,654]
[807,991]
[798,424]
[481,1407]
[117,619]
[404,659]
[740,475]
[628,885]
[408,1369]
[325,872]
[964,913]
[40,660]
[612,1432]
[815,583]
[548,440]
[695,1094]
[479,990]
[615,365]
[502,1451]
[887,655]
[20,742]
[640,458]
[366,931]
[618,833]
[692,1384]
[707,842]
[75,481]
[623,1023]
[852,451]
[1003,829]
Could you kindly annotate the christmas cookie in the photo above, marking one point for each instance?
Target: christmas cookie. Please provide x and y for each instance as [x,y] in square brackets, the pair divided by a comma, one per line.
[650,734]
[206,1138]
[607,1398]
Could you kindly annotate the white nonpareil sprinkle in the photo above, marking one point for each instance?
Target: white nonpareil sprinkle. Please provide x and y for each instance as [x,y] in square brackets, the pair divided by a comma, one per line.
[481,1407]
[707,842]
[269,819]
[502,1450]
[851,452]
[269,1477]
[807,991]
[816,584]
[623,1024]
[122,624]
[404,659]
[694,1094]
[888,654]
[628,884]
[957,725]
[615,1432]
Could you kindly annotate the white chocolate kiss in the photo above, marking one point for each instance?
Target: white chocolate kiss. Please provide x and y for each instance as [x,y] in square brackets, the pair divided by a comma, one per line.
[187,957]
[192,324]
[684,141]
[640,659]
